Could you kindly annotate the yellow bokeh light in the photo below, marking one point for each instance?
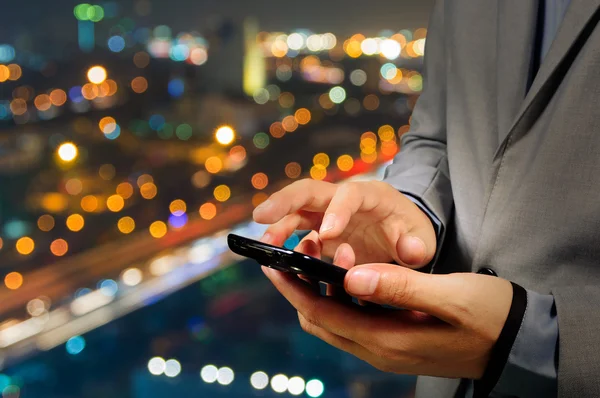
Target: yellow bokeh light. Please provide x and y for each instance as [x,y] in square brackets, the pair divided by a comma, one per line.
[389,148]
[353,48]
[158,229]
[13,280]
[368,134]
[258,198]
[58,97]
[125,190]
[386,133]
[225,135]
[59,247]
[222,193]
[213,164]
[67,152]
[107,124]
[25,245]
[293,170]
[321,159]
[126,225]
[208,211]
[318,172]
[90,91]
[115,203]
[45,223]
[368,157]
[368,146]
[345,163]
[177,207]
[148,190]
[75,222]
[54,202]
[260,180]
[89,203]
[143,179]
[302,116]
[4,73]
[96,74]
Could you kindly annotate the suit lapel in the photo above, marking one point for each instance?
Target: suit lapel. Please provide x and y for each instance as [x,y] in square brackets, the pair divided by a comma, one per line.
[579,16]
[515,41]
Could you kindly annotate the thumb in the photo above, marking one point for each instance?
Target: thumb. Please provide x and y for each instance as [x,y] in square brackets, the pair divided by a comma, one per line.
[404,288]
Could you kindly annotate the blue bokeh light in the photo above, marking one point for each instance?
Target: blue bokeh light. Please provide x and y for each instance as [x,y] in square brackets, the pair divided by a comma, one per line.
[114,134]
[176,88]
[178,221]
[7,53]
[75,345]
[108,287]
[116,44]
[156,122]
[75,94]
[15,229]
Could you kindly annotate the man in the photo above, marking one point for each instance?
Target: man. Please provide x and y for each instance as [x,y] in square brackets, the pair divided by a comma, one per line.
[501,168]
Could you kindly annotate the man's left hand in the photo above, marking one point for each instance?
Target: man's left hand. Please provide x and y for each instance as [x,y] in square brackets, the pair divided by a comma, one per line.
[447,327]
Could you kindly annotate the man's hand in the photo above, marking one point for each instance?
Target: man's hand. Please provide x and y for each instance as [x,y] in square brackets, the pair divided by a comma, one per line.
[447,328]
[379,223]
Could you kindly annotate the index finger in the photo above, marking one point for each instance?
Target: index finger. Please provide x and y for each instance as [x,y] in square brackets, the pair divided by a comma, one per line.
[310,195]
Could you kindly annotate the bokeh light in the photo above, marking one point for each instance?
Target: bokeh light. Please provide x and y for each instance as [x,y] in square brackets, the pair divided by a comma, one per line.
[259,380]
[260,181]
[293,170]
[45,223]
[225,376]
[74,186]
[318,172]
[107,172]
[42,102]
[225,135]
[213,164]
[126,225]
[75,222]
[125,190]
[96,74]
[200,179]
[89,203]
[296,385]
[315,388]
[148,190]
[258,198]
[209,373]
[172,368]
[222,193]
[386,133]
[237,154]
[177,207]
[75,345]
[261,140]
[321,159]
[158,229]
[141,59]
[371,102]
[59,247]
[115,203]
[156,366]
[139,84]
[302,116]
[132,276]
[58,97]
[67,152]
[13,280]
[25,245]
[277,130]
[345,163]
[143,179]
[208,211]
[289,124]
[279,383]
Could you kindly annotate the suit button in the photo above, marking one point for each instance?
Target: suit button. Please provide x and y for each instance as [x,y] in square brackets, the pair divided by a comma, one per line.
[487,271]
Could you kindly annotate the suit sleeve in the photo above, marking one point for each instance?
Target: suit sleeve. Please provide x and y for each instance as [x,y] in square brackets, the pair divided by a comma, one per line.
[421,167]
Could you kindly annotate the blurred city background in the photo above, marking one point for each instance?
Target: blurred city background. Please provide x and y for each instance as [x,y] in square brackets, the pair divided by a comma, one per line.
[134,135]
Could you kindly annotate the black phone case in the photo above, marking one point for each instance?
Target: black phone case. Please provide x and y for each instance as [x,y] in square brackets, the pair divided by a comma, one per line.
[286,260]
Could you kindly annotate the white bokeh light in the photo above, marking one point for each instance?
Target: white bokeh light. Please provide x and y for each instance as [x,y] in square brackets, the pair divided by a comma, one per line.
[296,385]
[209,373]
[279,383]
[259,380]
[172,368]
[225,376]
[315,388]
[390,49]
[156,366]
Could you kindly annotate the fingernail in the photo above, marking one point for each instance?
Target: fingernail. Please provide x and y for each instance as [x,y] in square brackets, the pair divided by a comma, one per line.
[363,282]
[266,238]
[328,223]
[264,205]
[266,270]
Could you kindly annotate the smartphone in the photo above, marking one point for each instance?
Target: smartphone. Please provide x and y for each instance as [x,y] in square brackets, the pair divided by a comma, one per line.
[285,260]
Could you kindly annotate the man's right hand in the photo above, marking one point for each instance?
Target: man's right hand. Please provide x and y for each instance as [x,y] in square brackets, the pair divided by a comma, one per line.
[378,222]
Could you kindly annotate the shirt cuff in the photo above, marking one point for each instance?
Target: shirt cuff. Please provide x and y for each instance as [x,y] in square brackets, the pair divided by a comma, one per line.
[524,360]
[437,226]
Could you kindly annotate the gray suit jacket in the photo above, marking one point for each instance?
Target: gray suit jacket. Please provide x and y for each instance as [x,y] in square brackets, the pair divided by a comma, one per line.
[514,175]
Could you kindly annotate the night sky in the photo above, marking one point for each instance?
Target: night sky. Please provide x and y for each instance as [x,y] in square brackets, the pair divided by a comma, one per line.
[35,17]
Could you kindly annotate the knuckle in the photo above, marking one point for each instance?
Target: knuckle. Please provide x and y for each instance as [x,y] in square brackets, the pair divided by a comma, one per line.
[398,292]
[306,325]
